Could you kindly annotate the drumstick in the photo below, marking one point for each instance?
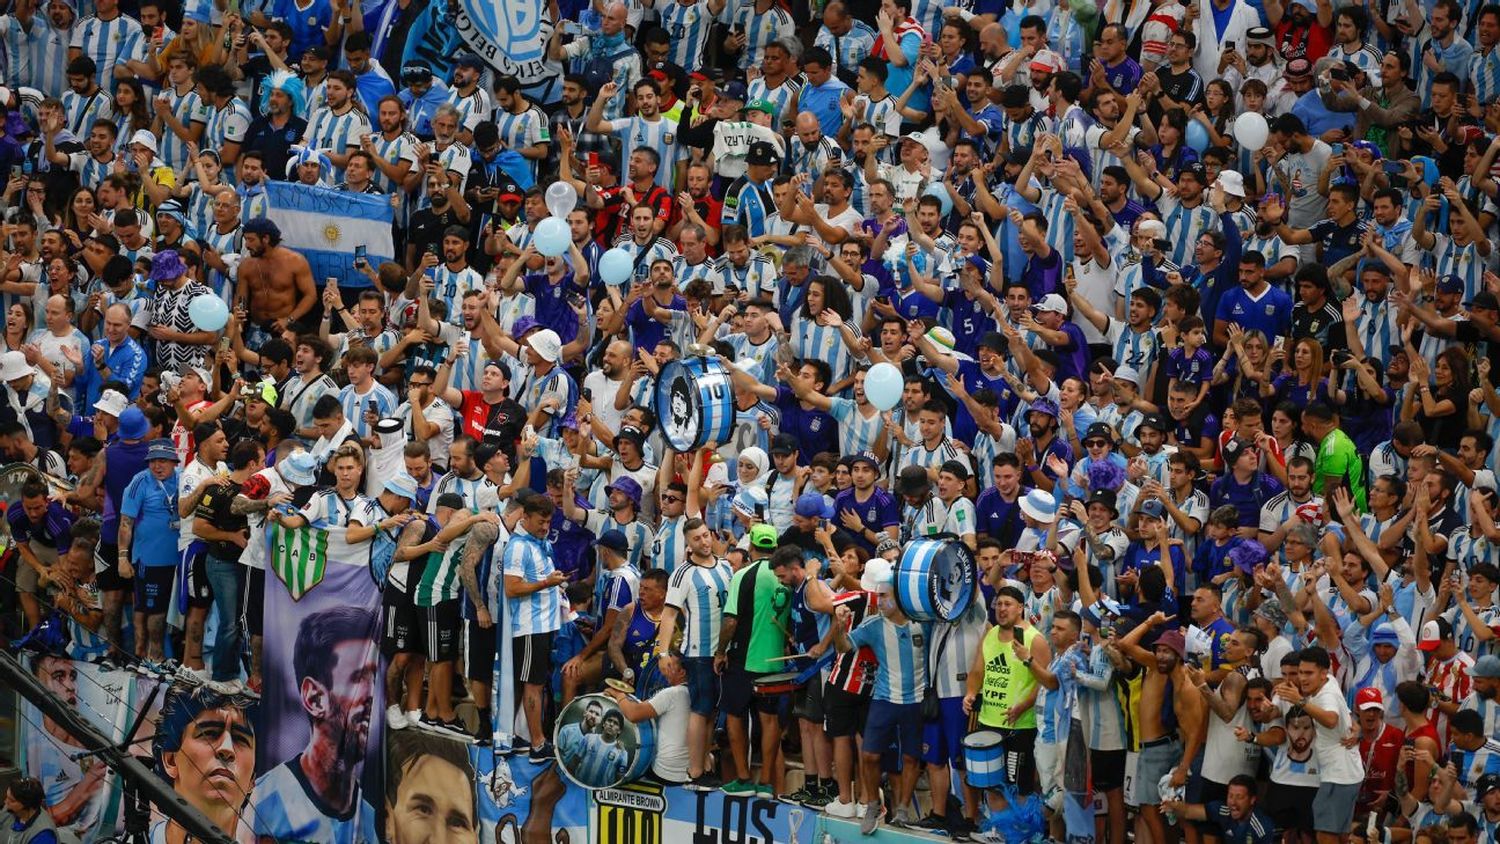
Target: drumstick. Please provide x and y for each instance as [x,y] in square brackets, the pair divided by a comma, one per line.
[788,658]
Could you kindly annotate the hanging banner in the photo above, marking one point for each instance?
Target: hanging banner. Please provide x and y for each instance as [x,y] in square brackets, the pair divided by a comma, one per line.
[319,771]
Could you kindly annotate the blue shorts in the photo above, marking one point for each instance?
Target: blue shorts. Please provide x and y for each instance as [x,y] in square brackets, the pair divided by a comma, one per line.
[898,724]
[943,739]
[702,683]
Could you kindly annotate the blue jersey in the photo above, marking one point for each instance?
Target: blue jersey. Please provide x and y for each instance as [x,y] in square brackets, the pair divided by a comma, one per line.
[901,653]
[530,559]
[527,129]
[355,404]
[336,133]
[748,204]
[187,109]
[600,762]
[152,504]
[109,43]
[659,135]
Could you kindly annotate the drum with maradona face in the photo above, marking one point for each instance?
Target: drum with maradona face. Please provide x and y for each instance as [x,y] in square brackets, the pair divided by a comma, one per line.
[935,578]
[694,402]
[598,747]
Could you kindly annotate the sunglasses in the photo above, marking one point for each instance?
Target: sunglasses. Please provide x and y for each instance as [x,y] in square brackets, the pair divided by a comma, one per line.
[1096,443]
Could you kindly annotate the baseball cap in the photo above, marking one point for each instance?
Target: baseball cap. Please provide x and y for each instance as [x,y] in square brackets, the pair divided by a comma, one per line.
[1234,448]
[813,505]
[1434,633]
[762,105]
[1487,783]
[1051,302]
[1105,497]
[1194,169]
[1484,299]
[865,457]
[469,60]
[1152,508]
[1487,667]
[1155,421]
[763,536]
[733,90]
[1100,430]
[1126,372]
[1450,284]
[632,433]
[1369,698]
[762,152]
[913,480]
[615,541]
[783,444]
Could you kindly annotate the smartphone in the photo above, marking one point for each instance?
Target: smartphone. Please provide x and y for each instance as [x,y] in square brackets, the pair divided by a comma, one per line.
[1338,149]
[360,253]
[593,159]
[432,158]
[1394,168]
[224,343]
[588,394]
[1228,45]
[433,250]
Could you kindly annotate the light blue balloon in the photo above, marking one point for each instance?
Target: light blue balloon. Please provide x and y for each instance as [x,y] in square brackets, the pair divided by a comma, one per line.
[883,385]
[938,190]
[1197,136]
[616,266]
[208,312]
[552,237]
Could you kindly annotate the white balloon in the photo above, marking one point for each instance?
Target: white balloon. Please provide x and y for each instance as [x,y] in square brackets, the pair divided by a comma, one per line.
[1251,130]
[561,198]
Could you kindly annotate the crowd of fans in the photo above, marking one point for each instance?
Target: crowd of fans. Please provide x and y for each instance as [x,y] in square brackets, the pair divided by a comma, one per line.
[1195,308]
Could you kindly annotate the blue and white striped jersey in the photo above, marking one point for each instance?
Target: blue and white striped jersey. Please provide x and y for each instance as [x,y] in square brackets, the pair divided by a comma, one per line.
[600,762]
[403,146]
[698,593]
[669,550]
[857,433]
[449,287]
[814,161]
[783,96]
[336,133]
[354,405]
[287,810]
[188,109]
[760,30]
[659,135]
[850,49]
[530,559]
[1184,225]
[1484,75]
[83,111]
[227,125]
[35,57]
[109,43]
[642,256]
[688,25]
[91,171]
[900,652]
[748,204]
[520,131]
[811,341]
[639,540]
[757,277]
[473,109]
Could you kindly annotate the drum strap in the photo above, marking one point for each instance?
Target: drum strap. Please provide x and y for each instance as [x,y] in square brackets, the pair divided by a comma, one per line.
[938,659]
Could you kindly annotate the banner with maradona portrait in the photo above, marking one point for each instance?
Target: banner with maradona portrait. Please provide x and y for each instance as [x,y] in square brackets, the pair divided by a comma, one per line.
[318,761]
[511,37]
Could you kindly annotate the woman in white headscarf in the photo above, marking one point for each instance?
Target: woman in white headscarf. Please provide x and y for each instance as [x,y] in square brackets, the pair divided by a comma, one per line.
[749,499]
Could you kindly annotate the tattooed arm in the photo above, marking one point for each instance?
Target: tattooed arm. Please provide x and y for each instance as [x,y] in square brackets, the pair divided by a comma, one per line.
[127,532]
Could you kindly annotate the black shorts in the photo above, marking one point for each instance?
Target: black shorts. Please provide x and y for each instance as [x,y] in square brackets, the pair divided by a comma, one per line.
[1207,792]
[1291,806]
[1107,769]
[807,702]
[481,658]
[844,712]
[400,633]
[200,593]
[107,567]
[440,630]
[738,696]
[533,656]
[1020,758]
[153,589]
[255,602]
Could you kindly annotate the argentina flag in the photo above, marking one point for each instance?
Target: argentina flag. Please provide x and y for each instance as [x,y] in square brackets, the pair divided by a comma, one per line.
[326,226]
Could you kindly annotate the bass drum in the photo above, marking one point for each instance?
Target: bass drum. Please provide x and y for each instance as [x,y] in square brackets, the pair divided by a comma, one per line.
[695,402]
[935,578]
[598,747]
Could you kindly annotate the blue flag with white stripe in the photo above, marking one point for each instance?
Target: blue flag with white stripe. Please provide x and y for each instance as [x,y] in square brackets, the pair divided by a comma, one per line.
[326,225]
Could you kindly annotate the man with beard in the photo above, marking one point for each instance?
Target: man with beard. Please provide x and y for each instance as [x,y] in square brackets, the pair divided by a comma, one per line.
[1172,716]
[429,793]
[573,119]
[1187,215]
[697,207]
[339,125]
[602,385]
[92,164]
[489,414]
[522,125]
[475,105]
[315,795]
[1485,685]
[205,746]
[392,148]
[276,129]
[276,286]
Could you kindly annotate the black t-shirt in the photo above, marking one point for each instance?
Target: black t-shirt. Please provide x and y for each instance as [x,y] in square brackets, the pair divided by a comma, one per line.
[213,509]
[1324,324]
[427,228]
[1336,242]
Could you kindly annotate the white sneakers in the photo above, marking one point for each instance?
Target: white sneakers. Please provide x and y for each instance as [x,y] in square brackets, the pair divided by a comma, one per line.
[395,718]
[839,809]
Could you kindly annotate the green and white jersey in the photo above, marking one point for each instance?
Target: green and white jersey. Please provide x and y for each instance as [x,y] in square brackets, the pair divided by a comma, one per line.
[440,581]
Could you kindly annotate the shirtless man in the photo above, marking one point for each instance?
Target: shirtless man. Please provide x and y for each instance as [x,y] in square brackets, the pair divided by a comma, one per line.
[277,284]
[1164,751]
